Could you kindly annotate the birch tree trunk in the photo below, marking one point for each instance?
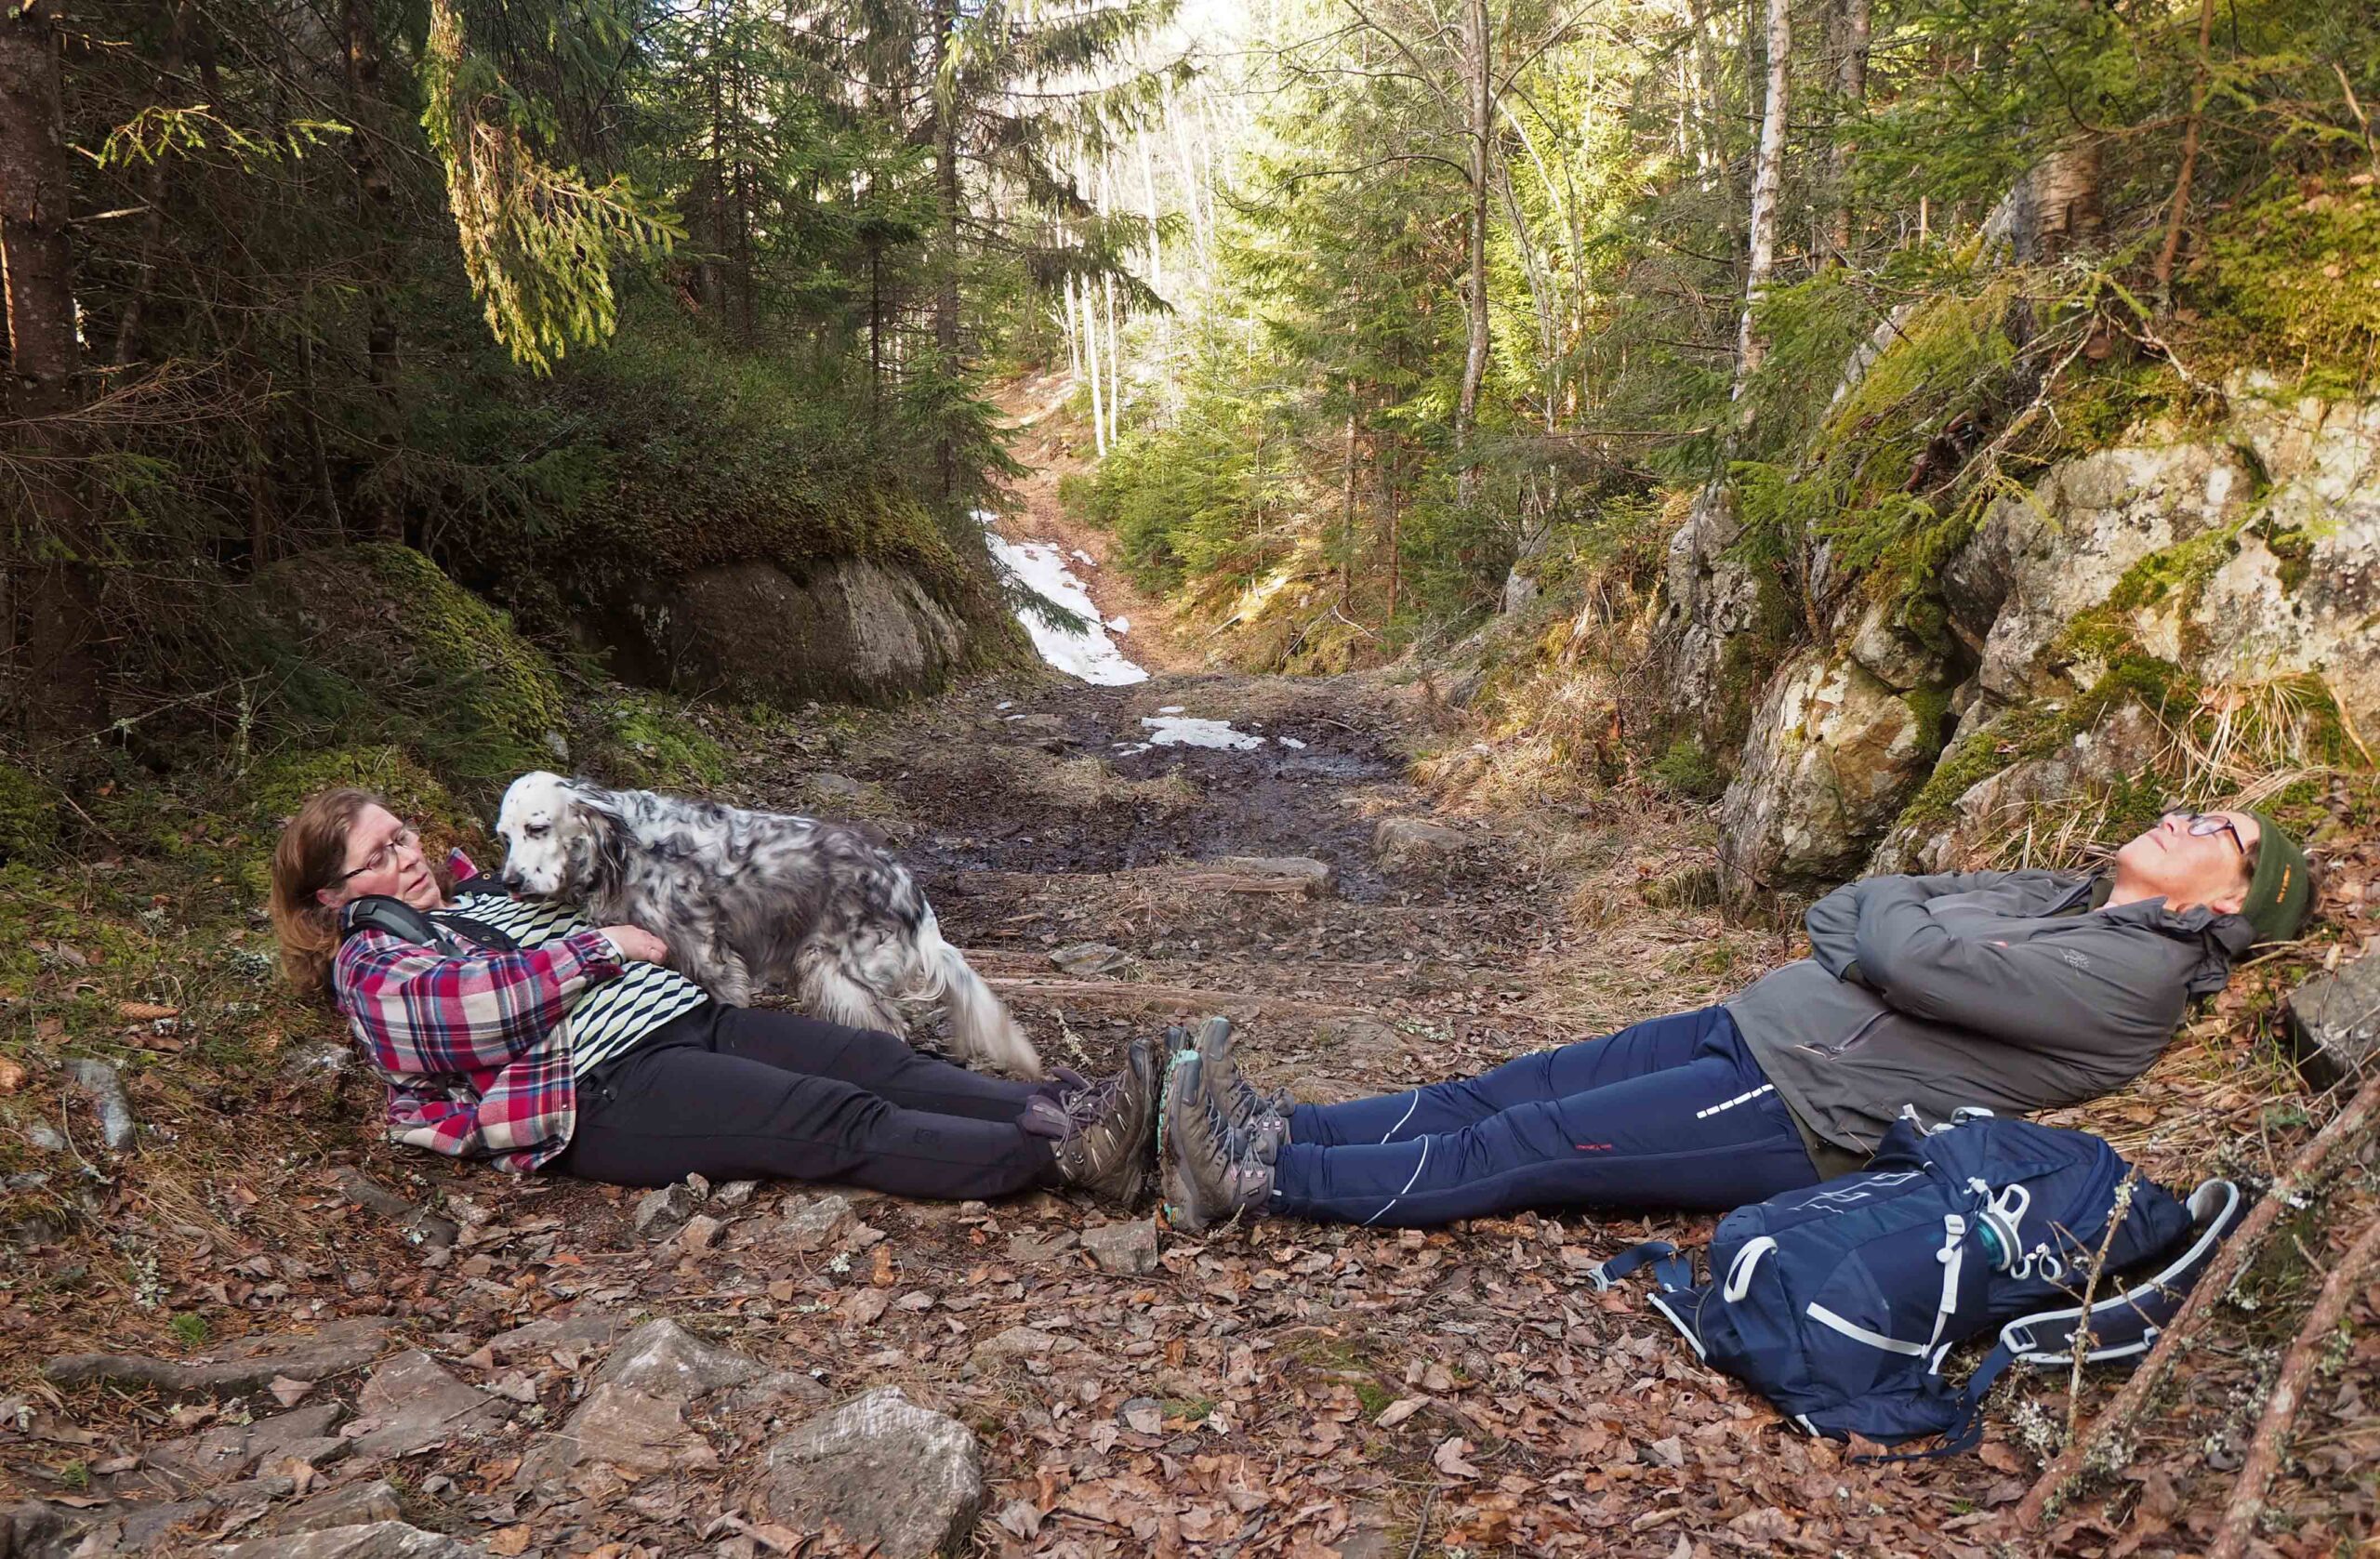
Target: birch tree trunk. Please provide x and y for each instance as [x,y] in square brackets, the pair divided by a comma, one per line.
[1766,173]
[1478,102]
[945,184]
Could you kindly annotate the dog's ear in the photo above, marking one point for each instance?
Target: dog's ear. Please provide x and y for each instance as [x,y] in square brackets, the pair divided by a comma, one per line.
[607,833]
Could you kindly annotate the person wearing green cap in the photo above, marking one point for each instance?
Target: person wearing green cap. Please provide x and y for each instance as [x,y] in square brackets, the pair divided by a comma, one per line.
[2006,991]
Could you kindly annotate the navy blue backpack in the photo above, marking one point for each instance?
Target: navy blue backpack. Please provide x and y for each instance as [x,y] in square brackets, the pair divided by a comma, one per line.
[1839,1302]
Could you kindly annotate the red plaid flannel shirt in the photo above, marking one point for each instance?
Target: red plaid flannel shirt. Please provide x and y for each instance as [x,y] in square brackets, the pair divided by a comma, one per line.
[471,1047]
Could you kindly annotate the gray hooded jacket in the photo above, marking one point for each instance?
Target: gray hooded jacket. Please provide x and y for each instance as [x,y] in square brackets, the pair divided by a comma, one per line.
[2001,989]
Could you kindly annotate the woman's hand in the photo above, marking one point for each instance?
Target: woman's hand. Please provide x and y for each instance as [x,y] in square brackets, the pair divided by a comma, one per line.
[638,945]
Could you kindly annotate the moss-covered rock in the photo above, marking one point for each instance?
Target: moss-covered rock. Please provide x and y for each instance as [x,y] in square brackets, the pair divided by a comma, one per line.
[28,816]
[434,669]
[651,741]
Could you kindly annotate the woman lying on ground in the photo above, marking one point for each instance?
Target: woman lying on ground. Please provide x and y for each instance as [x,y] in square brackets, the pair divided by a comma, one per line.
[2010,991]
[575,1050]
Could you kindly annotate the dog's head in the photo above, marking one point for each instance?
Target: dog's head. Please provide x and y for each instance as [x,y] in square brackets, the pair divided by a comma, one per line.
[555,834]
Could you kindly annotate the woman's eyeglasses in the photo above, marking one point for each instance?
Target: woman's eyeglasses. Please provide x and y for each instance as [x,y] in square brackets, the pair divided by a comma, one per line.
[2204,823]
[386,856]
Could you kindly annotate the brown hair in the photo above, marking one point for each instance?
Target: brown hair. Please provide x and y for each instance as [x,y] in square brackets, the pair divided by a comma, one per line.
[311,857]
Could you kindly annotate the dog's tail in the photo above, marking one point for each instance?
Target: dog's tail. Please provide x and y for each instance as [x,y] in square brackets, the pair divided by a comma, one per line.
[981,1029]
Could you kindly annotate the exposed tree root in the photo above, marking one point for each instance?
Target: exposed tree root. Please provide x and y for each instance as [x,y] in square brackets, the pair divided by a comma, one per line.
[2271,1442]
[2347,1127]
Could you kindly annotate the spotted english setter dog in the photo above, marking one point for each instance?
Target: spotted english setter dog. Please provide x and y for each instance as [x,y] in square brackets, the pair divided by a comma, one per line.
[747,899]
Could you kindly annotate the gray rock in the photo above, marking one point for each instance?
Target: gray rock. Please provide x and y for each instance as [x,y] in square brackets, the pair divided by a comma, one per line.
[1312,875]
[551,1334]
[1127,1249]
[1024,1247]
[884,1470]
[734,1194]
[1084,958]
[663,1359]
[227,1450]
[813,1223]
[410,1404]
[1833,756]
[355,1504]
[2334,1022]
[1406,838]
[627,1430]
[45,1139]
[660,1212]
[846,629]
[702,1232]
[431,1231]
[373,1540]
[103,1086]
[1717,620]
[246,1365]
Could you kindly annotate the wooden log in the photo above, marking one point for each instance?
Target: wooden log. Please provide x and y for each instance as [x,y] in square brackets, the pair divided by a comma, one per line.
[2346,1127]
[2271,1440]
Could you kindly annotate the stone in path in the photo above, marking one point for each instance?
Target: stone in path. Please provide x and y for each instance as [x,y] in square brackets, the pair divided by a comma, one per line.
[1085,958]
[374,1540]
[1126,1249]
[812,1222]
[410,1404]
[355,1504]
[882,1469]
[1398,840]
[636,1434]
[2334,1022]
[663,1359]
[103,1086]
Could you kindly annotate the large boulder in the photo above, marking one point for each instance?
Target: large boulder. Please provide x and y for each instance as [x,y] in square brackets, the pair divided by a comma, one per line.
[1834,753]
[1723,626]
[2125,585]
[845,630]
[882,1469]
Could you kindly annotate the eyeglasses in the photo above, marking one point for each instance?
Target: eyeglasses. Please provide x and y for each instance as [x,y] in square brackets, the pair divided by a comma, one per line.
[387,855]
[2204,823]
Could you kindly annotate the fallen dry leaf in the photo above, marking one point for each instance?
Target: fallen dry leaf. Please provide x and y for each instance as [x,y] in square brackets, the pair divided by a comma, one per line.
[1400,1411]
[289,1393]
[512,1540]
[1448,1457]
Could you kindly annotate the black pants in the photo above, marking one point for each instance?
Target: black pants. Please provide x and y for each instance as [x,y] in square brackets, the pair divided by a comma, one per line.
[747,1093]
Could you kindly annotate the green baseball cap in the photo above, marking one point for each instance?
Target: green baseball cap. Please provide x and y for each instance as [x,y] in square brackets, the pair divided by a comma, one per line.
[2282,883]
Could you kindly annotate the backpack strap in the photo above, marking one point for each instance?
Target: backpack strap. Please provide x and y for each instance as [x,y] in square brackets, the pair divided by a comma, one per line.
[2120,1327]
[1671,1270]
[379,912]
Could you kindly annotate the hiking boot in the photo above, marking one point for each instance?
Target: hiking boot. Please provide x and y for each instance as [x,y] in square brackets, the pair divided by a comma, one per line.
[1263,1119]
[1206,1175]
[1108,1125]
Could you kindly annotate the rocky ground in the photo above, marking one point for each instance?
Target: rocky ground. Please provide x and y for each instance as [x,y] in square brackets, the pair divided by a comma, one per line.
[476,1364]
[242,1320]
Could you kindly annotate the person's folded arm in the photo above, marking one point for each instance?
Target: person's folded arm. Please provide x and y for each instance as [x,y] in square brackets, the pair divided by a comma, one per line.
[1834,921]
[2085,993]
[428,1014]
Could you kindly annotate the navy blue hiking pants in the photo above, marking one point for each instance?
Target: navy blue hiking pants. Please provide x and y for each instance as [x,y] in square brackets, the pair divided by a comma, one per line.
[1673,1113]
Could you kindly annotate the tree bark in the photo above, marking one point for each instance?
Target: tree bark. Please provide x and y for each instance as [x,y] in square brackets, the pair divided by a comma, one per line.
[946,193]
[2314,1342]
[1851,87]
[153,195]
[377,208]
[1768,171]
[54,661]
[2172,249]
[1479,105]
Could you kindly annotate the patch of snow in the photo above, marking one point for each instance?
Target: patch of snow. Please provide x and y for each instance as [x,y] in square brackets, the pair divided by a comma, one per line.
[1005,704]
[1170,709]
[1119,624]
[1086,652]
[1186,731]
[1086,558]
[1125,749]
[1291,742]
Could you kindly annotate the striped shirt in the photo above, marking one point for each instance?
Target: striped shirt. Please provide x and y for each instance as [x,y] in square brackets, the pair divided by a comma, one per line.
[476,1045]
[607,1020]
